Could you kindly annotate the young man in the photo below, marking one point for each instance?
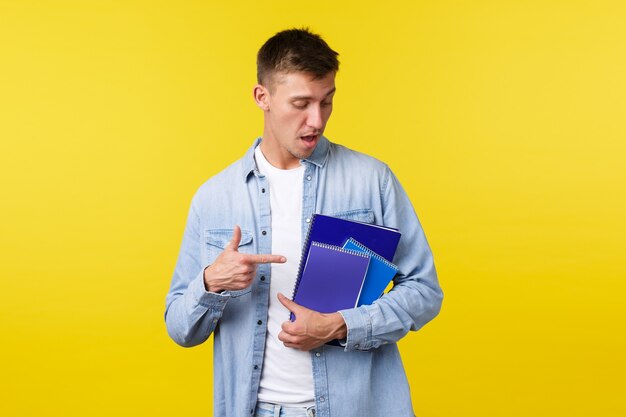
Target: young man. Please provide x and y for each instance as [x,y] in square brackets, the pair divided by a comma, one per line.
[241,249]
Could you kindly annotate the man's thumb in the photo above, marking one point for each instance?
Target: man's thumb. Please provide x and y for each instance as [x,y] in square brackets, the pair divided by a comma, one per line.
[290,305]
[234,242]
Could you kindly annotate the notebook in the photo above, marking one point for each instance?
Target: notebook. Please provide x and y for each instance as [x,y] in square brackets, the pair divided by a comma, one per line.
[335,231]
[331,279]
[379,273]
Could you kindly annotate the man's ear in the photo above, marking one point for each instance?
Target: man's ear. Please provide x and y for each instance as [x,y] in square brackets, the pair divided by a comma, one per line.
[261,97]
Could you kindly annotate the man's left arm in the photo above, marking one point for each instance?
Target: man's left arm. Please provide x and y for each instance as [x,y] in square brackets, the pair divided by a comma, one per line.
[416,296]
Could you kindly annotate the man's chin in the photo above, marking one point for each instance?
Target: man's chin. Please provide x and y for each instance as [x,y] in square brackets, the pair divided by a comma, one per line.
[302,154]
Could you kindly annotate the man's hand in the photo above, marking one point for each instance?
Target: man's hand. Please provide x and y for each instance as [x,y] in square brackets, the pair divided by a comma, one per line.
[232,270]
[310,329]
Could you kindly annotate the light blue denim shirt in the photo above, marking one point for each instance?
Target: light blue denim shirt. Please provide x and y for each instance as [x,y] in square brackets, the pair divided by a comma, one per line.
[363,378]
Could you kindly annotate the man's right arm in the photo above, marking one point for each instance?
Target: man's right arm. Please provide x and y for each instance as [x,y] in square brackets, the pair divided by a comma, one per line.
[199,293]
[191,312]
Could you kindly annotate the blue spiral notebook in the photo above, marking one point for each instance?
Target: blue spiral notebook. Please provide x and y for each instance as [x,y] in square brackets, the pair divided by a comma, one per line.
[331,279]
[335,231]
[379,273]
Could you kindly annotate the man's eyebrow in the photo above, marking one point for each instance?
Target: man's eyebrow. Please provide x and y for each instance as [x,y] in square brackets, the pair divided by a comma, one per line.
[330,92]
[295,98]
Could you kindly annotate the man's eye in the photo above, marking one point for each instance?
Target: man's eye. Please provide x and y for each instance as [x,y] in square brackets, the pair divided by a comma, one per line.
[300,104]
[327,103]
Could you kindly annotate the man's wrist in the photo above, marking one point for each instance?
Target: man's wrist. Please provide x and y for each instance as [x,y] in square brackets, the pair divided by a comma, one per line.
[339,329]
[207,282]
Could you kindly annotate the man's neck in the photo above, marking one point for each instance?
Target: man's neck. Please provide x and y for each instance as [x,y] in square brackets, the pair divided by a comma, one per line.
[277,157]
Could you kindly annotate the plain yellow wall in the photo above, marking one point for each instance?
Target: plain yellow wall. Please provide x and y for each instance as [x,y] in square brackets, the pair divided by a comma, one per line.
[504,120]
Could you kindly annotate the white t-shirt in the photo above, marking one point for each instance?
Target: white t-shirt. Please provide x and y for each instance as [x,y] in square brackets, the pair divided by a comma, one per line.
[287,375]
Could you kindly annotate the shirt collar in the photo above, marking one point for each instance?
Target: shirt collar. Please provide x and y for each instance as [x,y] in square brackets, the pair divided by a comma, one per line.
[318,157]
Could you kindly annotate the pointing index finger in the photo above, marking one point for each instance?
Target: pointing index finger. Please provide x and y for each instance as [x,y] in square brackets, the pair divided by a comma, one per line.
[266,259]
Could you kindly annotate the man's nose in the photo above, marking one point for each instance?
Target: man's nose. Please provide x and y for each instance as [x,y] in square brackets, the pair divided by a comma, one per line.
[314,117]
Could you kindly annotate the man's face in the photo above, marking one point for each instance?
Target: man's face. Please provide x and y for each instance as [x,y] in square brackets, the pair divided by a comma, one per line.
[296,111]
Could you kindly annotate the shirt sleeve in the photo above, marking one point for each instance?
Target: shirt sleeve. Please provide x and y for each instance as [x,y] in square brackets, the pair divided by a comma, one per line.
[416,296]
[191,312]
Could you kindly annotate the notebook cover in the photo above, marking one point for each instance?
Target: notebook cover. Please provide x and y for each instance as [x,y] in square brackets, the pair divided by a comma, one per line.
[379,273]
[332,278]
[335,231]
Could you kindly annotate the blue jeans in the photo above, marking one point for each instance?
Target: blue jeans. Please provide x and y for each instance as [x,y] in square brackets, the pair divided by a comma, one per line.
[274,410]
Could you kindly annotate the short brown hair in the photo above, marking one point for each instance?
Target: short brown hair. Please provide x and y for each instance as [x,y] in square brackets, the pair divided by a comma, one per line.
[295,50]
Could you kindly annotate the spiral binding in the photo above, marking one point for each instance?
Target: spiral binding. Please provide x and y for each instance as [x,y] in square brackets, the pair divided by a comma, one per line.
[340,249]
[305,249]
[372,253]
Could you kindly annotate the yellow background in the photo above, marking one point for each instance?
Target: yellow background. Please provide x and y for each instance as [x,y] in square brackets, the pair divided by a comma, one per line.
[504,120]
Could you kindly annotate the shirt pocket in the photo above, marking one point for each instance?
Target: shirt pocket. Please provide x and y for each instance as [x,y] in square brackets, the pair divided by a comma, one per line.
[217,239]
[364,215]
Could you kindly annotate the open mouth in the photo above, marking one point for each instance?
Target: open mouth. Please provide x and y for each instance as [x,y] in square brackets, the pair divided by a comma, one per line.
[309,138]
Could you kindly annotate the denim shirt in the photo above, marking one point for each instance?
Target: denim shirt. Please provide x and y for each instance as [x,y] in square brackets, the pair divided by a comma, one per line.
[363,378]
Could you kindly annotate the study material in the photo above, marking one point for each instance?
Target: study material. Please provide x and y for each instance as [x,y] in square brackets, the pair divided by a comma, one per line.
[335,231]
[331,278]
[379,273]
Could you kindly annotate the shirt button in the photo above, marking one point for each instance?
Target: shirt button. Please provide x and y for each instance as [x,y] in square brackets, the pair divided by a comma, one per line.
[262,277]
[263,232]
[318,354]
[322,399]
[356,345]
[307,220]
[262,190]
[260,322]
[256,366]
[308,178]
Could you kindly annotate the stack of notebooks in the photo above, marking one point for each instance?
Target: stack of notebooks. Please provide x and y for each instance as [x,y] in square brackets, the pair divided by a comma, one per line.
[344,264]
